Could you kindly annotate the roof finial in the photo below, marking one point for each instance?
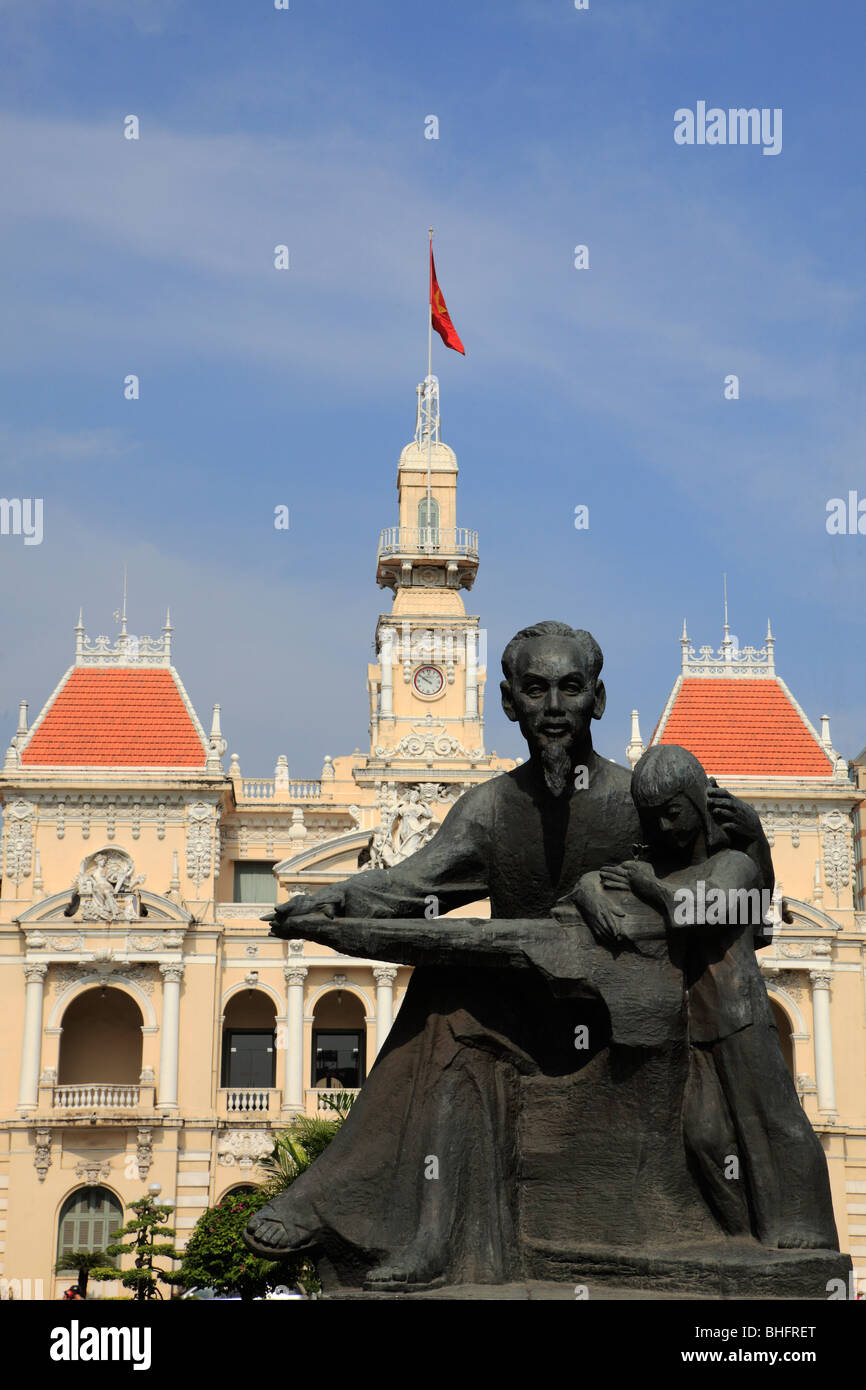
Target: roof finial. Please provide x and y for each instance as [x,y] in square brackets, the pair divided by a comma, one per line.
[770,645]
[120,614]
[167,630]
[635,746]
[726,640]
[684,643]
[79,635]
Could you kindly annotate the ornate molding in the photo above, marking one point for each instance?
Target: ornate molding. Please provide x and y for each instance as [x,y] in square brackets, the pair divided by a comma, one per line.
[19,839]
[42,1153]
[838,855]
[796,950]
[104,968]
[92,1173]
[34,971]
[172,971]
[428,740]
[295,974]
[243,1148]
[728,660]
[125,650]
[201,826]
[144,1152]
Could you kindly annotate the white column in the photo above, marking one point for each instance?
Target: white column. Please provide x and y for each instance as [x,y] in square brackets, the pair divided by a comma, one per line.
[471,675]
[31,1049]
[824,1075]
[384,975]
[169,1035]
[293,1087]
[386,700]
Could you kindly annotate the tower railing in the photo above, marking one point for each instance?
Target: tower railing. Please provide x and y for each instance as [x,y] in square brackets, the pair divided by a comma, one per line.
[428,540]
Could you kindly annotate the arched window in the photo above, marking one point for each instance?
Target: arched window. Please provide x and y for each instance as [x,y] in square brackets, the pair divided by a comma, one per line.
[250,1041]
[339,1042]
[88,1221]
[101,1039]
[428,521]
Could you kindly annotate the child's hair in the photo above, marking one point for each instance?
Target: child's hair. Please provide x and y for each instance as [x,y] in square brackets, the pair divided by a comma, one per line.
[665,771]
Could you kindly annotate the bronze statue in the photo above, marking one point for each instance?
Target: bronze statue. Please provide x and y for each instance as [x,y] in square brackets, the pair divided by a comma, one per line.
[525,1114]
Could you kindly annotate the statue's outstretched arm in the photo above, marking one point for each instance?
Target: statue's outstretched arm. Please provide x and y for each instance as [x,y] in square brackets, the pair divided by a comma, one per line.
[449,871]
[468,941]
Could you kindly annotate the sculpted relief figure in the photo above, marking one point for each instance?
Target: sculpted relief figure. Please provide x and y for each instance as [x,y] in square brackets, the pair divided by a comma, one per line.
[527,1107]
[105,888]
[415,823]
[405,829]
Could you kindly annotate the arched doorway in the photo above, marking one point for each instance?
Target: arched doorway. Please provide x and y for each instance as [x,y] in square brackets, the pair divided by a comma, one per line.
[101,1039]
[786,1041]
[89,1219]
[339,1042]
[242,1190]
[249,1041]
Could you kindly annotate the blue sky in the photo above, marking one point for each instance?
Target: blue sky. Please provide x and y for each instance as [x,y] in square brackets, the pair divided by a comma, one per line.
[602,386]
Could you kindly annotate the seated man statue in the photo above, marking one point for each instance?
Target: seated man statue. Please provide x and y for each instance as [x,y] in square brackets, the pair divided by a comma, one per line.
[421,1183]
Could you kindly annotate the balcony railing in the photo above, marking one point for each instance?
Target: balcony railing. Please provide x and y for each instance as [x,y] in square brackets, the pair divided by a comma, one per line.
[248,1099]
[428,540]
[316,1100]
[264,788]
[97,1095]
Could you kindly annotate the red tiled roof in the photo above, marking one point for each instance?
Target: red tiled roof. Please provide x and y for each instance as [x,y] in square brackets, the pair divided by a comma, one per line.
[117,718]
[746,727]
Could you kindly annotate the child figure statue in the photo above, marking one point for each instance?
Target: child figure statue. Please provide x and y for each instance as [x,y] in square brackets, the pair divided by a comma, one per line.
[754,1153]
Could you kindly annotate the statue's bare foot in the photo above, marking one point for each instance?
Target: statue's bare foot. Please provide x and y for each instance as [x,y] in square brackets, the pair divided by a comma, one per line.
[803,1240]
[267,1236]
[409,1271]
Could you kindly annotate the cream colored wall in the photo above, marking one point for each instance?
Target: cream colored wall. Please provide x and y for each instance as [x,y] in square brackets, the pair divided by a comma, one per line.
[412,483]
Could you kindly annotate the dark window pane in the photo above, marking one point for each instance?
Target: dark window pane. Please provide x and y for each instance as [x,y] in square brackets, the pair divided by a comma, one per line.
[340,1056]
[251,1059]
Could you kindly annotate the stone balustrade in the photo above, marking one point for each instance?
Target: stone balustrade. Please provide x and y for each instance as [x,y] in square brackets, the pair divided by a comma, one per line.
[97,1095]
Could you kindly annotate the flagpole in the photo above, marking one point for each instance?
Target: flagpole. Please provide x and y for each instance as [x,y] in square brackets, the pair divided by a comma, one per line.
[429,374]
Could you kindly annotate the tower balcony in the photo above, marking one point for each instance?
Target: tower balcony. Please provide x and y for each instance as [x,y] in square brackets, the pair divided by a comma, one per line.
[433,556]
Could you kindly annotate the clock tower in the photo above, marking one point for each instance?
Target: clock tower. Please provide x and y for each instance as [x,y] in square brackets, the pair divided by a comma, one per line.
[426,688]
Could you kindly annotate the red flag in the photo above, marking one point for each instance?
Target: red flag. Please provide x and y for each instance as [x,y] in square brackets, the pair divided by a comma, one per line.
[440,315]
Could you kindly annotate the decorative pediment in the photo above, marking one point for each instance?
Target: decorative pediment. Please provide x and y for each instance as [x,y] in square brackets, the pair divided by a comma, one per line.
[322,853]
[53,910]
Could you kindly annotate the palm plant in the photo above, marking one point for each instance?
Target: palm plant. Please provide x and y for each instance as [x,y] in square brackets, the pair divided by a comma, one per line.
[296,1148]
[84,1261]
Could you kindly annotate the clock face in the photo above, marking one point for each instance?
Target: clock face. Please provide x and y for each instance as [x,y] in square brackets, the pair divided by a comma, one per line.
[428,680]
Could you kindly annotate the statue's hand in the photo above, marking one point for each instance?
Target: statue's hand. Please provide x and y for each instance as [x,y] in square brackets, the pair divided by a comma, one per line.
[740,821]
[635,875]
[598,910]
[329,902]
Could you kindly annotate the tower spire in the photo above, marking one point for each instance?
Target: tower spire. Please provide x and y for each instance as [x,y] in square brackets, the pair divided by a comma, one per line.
[120,614]
[726,640]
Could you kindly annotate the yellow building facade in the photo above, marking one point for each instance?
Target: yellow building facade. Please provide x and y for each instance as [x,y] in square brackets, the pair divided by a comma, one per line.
[154,1032]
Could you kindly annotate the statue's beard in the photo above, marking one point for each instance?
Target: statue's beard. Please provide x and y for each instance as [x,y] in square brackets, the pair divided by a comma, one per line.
[557,767]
